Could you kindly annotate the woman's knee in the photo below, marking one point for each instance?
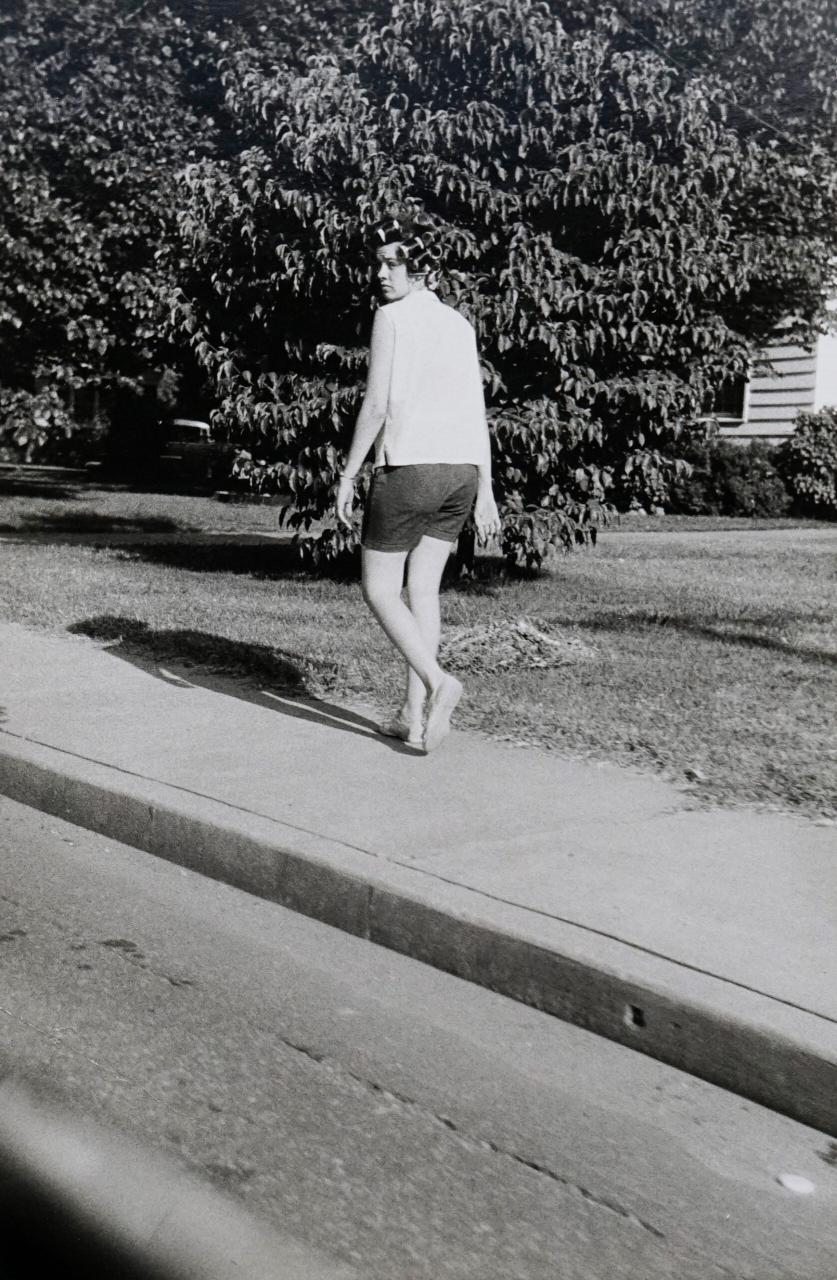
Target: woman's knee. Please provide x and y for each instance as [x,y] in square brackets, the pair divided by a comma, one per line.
[380,589]
[426,566]
[423,596]
[374,594]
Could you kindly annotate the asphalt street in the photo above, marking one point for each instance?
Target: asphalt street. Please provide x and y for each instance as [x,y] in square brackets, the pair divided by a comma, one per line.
[393,1117]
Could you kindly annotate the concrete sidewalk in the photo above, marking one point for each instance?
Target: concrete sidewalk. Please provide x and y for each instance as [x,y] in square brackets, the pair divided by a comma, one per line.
[707,939]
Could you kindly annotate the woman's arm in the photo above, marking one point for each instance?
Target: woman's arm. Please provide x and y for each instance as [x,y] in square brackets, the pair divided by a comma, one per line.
[372,411]
[486,515]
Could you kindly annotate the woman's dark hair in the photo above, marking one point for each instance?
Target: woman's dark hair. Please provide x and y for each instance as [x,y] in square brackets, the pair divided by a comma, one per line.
[419,249]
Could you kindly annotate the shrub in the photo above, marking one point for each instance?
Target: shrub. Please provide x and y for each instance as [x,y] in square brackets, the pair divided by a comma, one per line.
[808,462]
[731,479]
[34,425]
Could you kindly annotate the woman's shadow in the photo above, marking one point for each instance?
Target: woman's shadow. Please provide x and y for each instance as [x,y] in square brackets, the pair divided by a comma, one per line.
[258,674]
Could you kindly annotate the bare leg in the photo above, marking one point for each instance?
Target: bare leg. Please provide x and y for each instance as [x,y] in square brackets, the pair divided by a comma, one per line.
[425,566]
[383,579]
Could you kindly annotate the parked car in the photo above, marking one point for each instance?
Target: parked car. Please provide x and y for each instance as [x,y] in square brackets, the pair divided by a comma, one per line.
[189,452]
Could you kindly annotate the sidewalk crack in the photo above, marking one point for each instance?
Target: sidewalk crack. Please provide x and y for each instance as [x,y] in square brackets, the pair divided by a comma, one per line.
[372,1086]
[486,1144]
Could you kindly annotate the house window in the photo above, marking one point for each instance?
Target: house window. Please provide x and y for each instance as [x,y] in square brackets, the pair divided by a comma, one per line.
[729,400]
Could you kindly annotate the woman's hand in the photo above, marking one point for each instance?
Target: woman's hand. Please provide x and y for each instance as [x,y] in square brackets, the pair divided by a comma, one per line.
[486,517]
[345,500]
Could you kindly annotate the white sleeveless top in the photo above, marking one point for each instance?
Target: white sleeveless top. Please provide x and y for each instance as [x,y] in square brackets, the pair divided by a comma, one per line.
[436,408]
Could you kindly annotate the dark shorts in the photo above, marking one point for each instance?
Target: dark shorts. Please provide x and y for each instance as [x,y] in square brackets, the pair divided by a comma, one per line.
[406,504]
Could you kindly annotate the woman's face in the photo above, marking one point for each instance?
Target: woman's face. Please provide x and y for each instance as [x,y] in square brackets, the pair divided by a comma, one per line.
[393,278]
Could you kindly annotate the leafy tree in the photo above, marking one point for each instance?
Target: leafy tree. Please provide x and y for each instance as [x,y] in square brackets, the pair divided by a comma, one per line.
[769,71]
[773,63]
[100,108]
[284,31]
[602,225]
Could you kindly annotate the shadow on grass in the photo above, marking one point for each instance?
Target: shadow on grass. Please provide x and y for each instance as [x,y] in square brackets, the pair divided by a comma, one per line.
[253,553]
[274,558]
[728,633]
[96,522]
[16,487]
[233,668]
[281,558]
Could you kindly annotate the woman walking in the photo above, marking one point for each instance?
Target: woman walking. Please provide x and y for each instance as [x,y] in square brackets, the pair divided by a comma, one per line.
[424,412]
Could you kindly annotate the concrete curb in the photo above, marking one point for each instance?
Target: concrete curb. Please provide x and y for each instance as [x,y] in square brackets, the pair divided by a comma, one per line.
[768,1051]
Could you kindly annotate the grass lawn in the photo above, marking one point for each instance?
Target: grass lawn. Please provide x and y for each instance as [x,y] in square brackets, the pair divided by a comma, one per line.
[714,649]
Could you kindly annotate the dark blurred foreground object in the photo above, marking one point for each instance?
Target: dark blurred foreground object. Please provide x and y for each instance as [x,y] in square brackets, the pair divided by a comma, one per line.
[82,1203]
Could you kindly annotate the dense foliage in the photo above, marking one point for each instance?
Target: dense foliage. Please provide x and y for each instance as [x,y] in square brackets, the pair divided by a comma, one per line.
[101,106]
[31,422]
[99,109]
[772,61]
[808,462]
[614,241]
[770,67]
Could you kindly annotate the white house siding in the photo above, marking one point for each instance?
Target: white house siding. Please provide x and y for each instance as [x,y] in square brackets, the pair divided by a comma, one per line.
[787,381]
[783,384]
[825,396]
